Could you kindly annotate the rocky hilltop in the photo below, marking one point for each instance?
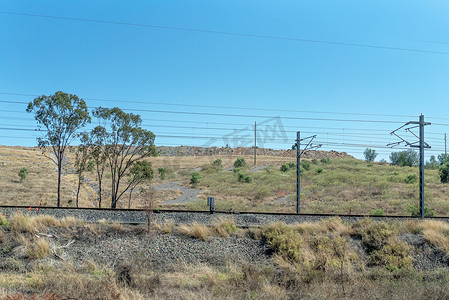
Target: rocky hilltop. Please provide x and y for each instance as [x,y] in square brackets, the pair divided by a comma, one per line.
[210,151]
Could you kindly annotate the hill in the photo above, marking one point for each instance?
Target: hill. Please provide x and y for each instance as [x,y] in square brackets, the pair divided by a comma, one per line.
[331,182]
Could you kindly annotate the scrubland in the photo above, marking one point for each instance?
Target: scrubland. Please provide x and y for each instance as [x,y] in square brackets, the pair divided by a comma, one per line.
[331,259]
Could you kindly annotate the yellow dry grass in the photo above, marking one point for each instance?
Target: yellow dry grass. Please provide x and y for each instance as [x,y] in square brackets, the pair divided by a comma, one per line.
[38,249]
[195,230]
[437,233]
[31,224]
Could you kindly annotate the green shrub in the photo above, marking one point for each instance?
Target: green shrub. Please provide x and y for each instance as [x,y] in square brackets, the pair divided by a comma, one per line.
[404,158]
[262,193]
[306,165]
[375,234]
[23,173]
[239,163]
[195,179]
[444,173]
[162,173]
[412,178]
[236,170]
[248,179]
[377,212]
[325,160]
[218,163]
[285,241]
[315,161]
[240,177]
[393,256]
[370,154]
[319,170]
[292,165]
[415,211]
[285,167]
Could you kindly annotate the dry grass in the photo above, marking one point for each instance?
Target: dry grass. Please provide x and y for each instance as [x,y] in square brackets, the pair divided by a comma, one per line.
[312,260]
[437,233]
[166,227]
[224,227]
[38,249]
[31,224]
[344,185]
[195,230]
[67,222]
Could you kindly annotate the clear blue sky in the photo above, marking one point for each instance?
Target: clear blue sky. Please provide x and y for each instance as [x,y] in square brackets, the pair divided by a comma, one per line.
[151,65]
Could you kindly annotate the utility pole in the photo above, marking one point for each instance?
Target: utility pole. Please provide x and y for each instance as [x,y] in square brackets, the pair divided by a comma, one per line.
[309,146]
[445,141]
[298,171]
[421,165]
[421,144]
[255,142]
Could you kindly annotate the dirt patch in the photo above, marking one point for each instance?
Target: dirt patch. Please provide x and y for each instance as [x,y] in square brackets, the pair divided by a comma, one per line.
[187,194]
[426,256]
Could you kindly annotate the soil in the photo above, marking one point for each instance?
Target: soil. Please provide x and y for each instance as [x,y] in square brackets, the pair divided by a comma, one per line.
[188,194]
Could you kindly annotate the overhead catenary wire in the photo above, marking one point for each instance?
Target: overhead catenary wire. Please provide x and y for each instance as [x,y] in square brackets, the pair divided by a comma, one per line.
[165,103]
[226,33]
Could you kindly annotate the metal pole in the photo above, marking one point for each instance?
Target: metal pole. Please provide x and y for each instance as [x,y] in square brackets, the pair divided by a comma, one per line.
[445,140]
[255,141]
[298,172]
[421,165]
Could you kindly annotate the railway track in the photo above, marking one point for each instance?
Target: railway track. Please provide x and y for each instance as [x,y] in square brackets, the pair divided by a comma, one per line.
[138,216]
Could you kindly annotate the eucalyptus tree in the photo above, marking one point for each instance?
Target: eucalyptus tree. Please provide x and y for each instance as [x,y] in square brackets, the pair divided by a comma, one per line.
[61,115]
[139,172]
[126,142]
[97,152]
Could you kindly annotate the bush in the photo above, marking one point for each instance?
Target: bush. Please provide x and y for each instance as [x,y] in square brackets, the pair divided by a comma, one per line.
[262,193]
[236,170]
[291,165]
[306,165]
[319,170]
[393,256]
[375,235]
[239,162]
[315,161]
[218,163]
[162,173]
[377,212]
[443,159]
[415,211]
[240,177]
[38,249]
[23,173]
[284,241]
[248,179]
[444,173]
[412,178]
[325,160]
[370,154]
[285,168]
[433,163]
[404,158]
[195,179]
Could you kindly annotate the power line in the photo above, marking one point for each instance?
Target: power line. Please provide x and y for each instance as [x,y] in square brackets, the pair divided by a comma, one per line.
[228,33]
[222,107]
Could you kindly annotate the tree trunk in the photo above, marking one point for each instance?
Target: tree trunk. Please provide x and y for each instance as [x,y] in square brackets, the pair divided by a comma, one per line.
[129,200]
[99,193]
[59,179]
[78,190]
